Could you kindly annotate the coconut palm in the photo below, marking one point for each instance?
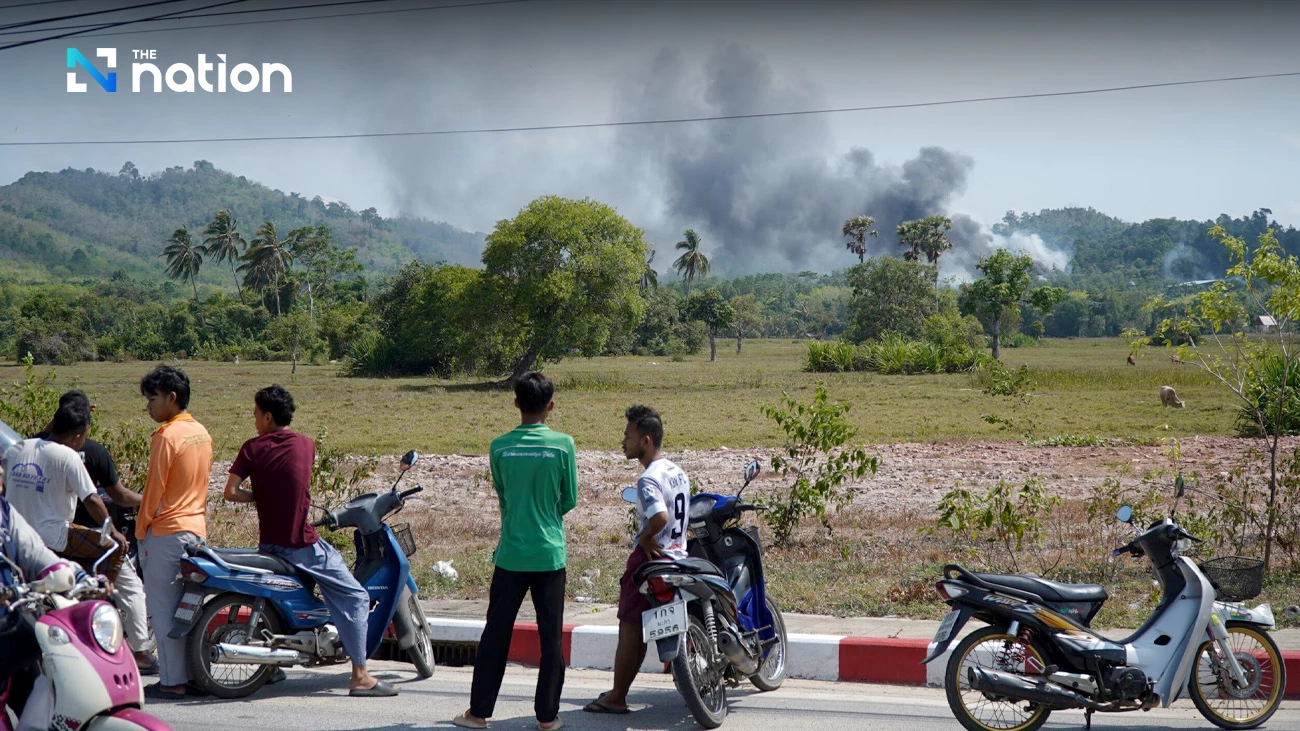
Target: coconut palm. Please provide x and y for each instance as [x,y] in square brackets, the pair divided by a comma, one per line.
[183,258]
[858,229]
[649,277]
[266,261]
[223,242]
[693,264]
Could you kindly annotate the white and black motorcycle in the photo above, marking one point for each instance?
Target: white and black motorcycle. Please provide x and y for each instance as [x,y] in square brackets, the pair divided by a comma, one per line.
[1038,654]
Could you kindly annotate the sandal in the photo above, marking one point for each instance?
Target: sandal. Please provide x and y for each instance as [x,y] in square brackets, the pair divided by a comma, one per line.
[464,721]
[597,707]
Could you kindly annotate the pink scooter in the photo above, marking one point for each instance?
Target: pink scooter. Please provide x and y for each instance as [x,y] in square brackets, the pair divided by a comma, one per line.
[89,680]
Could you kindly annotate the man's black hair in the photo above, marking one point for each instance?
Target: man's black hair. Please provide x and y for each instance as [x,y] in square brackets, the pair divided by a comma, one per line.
[164,380]
[71,418]
[647,423]
[533,391]
[76,395]
[277,402]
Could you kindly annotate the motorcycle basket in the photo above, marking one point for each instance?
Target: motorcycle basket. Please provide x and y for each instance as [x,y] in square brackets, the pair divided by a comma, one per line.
[402,532]
[1236,578]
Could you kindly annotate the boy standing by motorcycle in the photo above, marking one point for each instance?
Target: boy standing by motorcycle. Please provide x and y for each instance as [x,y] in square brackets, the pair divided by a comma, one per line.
[279,464]
[172,515]
[663,493]
[535,474]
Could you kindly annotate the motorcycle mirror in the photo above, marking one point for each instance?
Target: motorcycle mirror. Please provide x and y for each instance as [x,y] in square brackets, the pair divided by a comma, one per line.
[630,495]
[751,470]
[1180,486]
[104,529]
[409,459]
[1124,514]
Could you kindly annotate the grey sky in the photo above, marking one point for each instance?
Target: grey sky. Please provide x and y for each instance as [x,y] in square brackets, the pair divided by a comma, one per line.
[765,194]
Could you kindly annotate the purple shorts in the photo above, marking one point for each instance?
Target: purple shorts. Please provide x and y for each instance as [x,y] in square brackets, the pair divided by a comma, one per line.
[631,604]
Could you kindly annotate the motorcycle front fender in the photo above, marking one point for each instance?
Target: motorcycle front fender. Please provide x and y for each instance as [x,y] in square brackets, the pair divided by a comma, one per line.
[403,623]
[127,719]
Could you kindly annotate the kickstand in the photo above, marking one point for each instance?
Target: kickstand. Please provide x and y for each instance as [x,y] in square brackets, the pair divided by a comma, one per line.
[1087,719]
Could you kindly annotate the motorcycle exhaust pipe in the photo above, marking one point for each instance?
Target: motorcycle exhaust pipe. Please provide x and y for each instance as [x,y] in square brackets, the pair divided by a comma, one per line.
[734,650]
[224,653]
[1043,692]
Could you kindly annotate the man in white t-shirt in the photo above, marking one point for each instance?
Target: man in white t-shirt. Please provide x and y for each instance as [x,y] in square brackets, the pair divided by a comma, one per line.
[44,479]
[663,505]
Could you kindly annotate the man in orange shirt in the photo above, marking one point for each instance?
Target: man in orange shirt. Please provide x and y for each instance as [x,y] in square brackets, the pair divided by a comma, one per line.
[172,515]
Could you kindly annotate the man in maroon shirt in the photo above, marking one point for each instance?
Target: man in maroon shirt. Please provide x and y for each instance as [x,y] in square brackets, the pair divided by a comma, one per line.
[279,463]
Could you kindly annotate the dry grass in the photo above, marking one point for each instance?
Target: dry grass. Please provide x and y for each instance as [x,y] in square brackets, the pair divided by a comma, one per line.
[1084,387]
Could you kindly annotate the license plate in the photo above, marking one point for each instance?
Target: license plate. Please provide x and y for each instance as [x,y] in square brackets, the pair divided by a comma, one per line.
[188,605]
[666,621]
[945,627]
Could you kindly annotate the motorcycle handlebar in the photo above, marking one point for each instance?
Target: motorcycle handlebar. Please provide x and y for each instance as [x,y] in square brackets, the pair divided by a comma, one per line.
[407,493]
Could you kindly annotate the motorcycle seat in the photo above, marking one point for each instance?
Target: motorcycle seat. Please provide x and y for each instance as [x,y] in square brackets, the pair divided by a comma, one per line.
[688,565]
[1052,591]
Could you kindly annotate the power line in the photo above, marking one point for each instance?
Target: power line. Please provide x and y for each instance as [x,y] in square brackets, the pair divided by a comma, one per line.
[42,21]
[648,122]
[29,5]
[307,17]
[114,25]
[205,15]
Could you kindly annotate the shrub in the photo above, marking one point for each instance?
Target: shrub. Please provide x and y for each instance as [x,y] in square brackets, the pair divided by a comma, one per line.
[1005,518]
[371,354]
[1265,388]
[28,406]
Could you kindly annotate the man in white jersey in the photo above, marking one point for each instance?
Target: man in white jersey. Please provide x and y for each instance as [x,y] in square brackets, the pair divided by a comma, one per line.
[664,496]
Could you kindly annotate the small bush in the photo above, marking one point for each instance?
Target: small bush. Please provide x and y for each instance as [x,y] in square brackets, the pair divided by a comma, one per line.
[28,406]
[1265,389]
[371,354]
[893,354]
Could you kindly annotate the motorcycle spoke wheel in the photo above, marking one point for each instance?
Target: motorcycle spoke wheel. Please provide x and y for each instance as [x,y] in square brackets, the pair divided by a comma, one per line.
[996,650]
[1222,700]
[226,619]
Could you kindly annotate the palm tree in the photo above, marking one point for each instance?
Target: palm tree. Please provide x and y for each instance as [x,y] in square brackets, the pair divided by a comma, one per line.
[925,236]
[649,277]
[693,264]
[267,260]
[183,258]
[223,242]
[858,229]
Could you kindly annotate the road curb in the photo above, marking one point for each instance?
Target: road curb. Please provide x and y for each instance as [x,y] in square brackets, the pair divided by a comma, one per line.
[812,657]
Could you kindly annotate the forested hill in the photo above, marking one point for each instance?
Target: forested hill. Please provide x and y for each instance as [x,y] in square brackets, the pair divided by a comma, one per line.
[1108,252]
[86,222]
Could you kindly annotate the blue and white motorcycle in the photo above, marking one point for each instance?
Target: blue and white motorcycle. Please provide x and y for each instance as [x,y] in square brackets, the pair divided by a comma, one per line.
[245,614]
[710,615]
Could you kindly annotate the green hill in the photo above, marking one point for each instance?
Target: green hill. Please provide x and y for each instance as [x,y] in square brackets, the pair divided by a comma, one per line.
[92,223]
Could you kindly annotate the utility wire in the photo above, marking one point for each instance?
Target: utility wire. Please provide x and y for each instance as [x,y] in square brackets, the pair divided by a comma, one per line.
[306,17]
[648,122]
[42,21]
[114,25]
[205,15]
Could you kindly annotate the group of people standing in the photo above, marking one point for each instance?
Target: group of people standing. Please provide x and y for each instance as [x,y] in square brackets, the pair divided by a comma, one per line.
[52,475]
[535,475]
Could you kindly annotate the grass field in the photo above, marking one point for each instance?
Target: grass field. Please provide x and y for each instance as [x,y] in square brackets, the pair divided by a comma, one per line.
[1083,387]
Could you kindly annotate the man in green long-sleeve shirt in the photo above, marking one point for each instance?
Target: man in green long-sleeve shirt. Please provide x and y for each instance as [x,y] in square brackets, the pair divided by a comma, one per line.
[535,474]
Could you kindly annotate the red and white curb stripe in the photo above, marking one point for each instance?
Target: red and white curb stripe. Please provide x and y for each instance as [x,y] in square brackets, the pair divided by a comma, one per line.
[813,657]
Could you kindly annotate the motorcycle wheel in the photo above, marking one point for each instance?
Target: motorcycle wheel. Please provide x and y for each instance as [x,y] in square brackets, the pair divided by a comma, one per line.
[703,689]
[1215,694]
[225,619]
[771,674]
[994,649]
[421,653]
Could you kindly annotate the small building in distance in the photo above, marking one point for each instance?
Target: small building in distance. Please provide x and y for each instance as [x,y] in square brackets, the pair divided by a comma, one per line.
[1264,323]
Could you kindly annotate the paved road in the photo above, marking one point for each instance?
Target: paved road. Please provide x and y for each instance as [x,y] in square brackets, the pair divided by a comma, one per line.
[317,700]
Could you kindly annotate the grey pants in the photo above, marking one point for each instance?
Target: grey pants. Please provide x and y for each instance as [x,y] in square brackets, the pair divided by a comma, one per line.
[131,592]
[348,601]
[160,559]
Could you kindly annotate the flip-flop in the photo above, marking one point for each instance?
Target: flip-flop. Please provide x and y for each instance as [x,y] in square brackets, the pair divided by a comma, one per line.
[597,707]
[155,691]
[465,722]
[378,690]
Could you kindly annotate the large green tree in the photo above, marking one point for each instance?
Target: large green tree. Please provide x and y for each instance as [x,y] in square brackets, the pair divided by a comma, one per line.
[693,264]
[925,236]
[564,275]
[1007,284]
[890,295]
[749,316]
[223,242]
[858,229]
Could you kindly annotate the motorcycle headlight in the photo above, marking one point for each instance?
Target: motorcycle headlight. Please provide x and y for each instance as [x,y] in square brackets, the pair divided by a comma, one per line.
[106,625]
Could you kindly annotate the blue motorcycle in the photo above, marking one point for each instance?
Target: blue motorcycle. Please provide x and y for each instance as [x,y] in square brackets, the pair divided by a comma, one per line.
[245,614]
[710,615]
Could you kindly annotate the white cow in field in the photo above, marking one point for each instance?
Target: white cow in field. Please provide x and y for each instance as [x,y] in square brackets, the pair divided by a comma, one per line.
[1169,398]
